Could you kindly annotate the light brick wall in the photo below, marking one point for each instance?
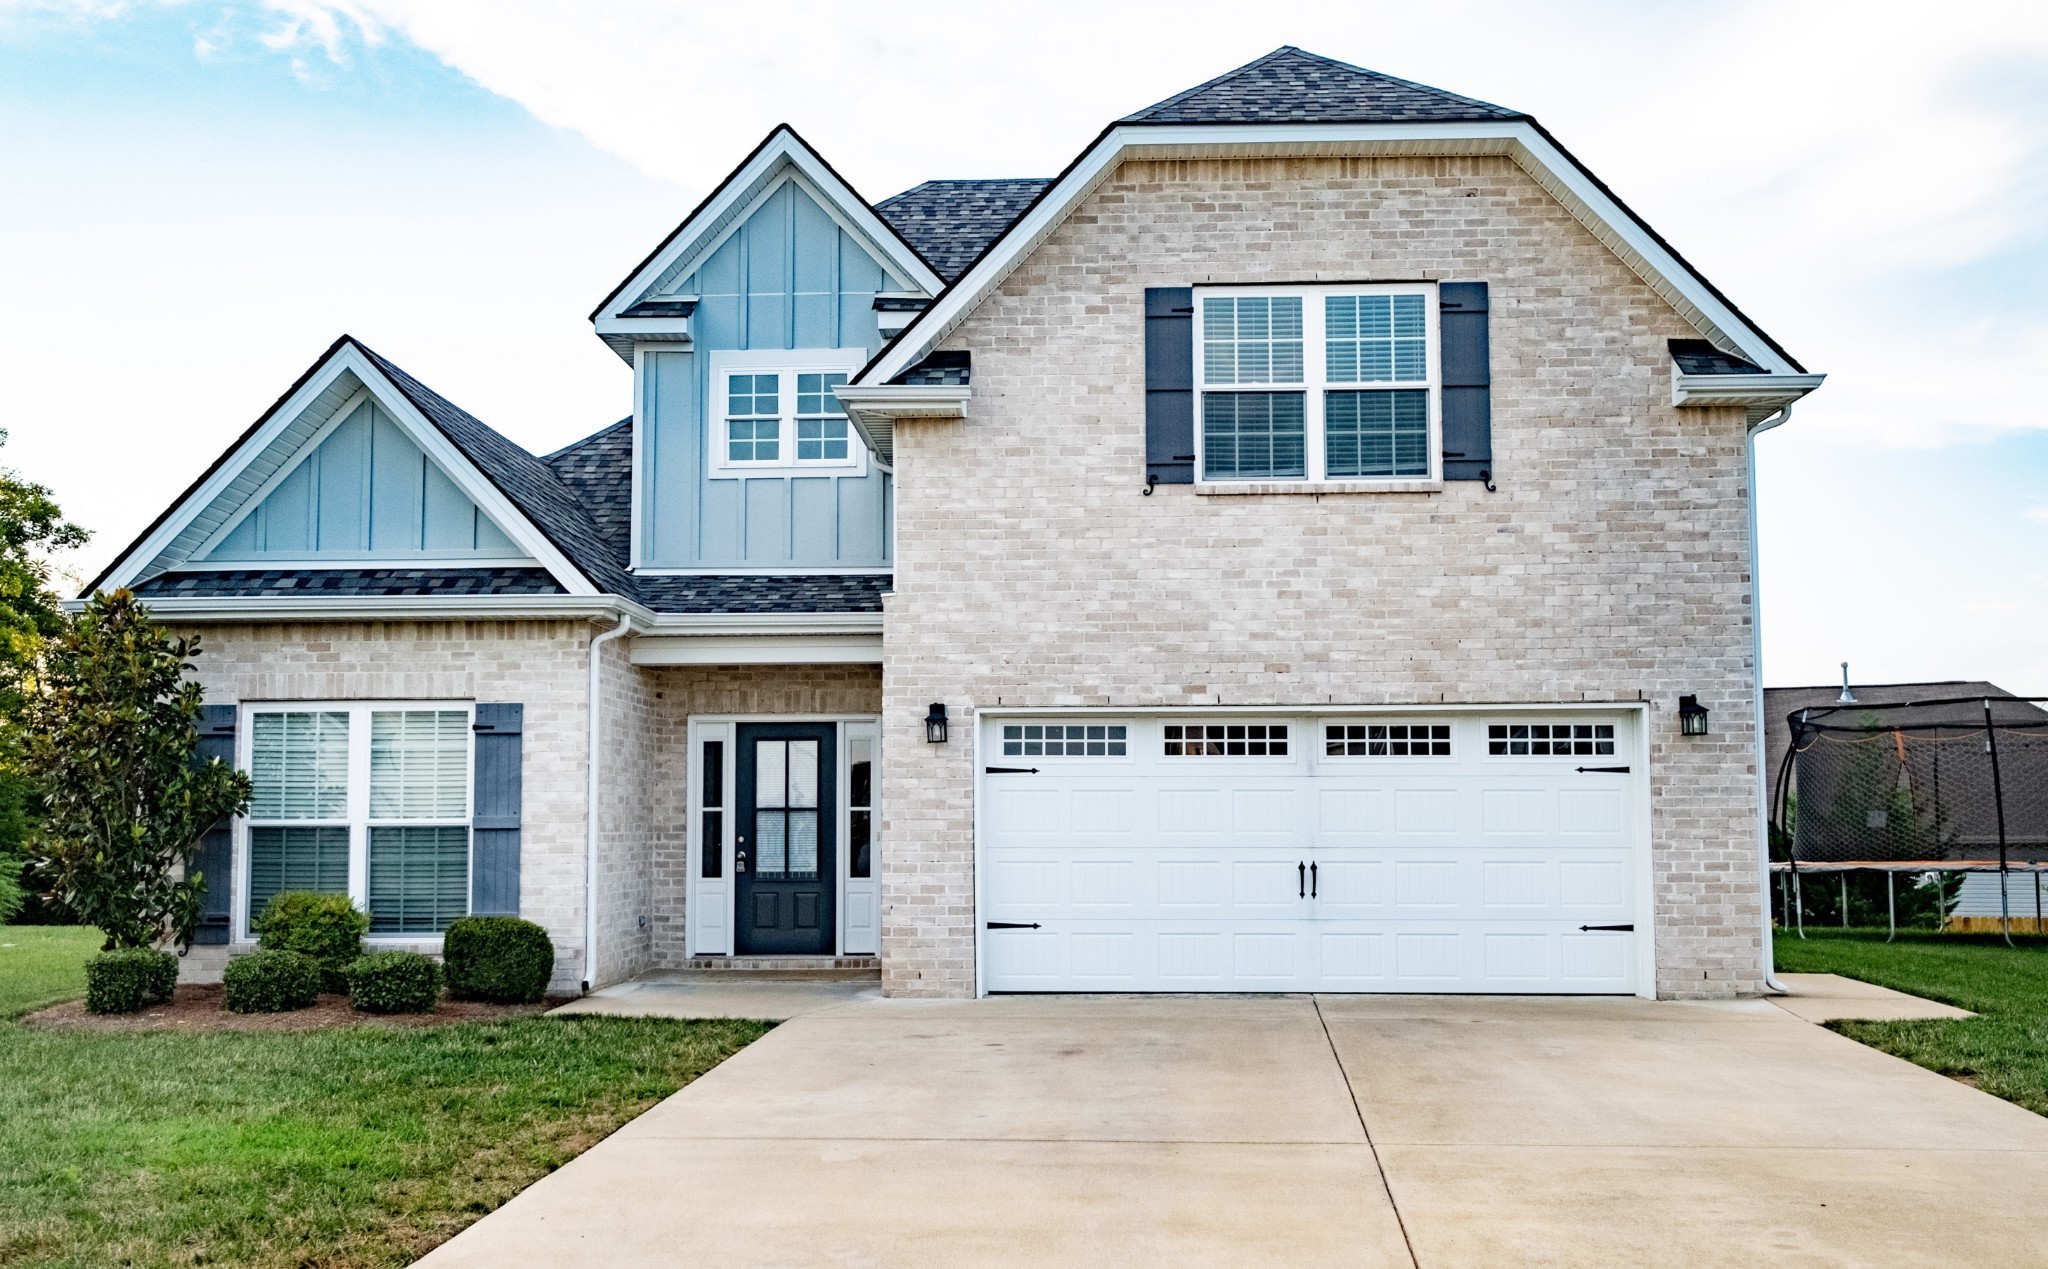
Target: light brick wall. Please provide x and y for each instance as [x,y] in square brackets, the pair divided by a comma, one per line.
[1611,565]
[630,824]
[540,664]
[800,691]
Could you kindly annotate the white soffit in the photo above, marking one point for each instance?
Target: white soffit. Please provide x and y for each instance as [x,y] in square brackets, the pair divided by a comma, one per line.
[1574,188]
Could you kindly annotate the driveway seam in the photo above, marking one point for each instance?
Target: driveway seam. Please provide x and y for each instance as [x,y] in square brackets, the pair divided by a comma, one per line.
[1378,1164]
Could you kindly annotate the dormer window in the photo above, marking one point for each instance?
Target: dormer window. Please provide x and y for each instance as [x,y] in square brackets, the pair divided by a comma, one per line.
[1317,384]
[779,414]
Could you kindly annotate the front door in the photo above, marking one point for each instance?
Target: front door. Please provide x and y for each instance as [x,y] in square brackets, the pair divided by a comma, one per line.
[784,864]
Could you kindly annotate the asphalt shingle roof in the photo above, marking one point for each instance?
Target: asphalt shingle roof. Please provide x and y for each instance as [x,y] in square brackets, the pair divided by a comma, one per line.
[599,470]
[833,593]
[1288,85]
[1698,357]
[949,223]
[272,582]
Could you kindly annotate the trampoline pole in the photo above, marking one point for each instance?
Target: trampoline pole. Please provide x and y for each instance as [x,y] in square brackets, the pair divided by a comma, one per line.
[1845,900]
[1891,902]
[1998,801]
[2037,897]
[1799,902]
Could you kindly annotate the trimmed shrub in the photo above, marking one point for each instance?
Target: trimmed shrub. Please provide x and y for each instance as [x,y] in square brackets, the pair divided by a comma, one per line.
[271,982]
[124,981]
[327,927]
[394,982]
[500,959]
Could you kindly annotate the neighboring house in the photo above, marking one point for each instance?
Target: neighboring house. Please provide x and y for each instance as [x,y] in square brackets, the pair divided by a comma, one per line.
[1306,511]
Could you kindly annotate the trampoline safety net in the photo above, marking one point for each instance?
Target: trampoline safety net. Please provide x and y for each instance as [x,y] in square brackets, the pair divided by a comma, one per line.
[1933,782]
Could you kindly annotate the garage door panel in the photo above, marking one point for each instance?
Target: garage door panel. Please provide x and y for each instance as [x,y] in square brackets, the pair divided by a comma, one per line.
[1447,873]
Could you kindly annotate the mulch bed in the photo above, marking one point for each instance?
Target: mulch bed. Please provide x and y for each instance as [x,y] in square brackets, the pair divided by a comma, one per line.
[195,1008]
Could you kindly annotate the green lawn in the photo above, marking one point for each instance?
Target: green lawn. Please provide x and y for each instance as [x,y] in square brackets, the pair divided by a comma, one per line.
[346,1147]
[42,965]
[2004,1052]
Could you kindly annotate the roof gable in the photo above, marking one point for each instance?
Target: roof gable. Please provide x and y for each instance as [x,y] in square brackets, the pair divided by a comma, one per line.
[516,492]
[1289,85]
[1294,103]
[644,304]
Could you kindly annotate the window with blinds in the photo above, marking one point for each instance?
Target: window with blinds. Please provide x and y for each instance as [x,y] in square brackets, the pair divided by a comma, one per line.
[372,801]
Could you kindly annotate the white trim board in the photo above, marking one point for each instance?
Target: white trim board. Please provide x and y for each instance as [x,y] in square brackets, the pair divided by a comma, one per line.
[155,553]
[1519,140]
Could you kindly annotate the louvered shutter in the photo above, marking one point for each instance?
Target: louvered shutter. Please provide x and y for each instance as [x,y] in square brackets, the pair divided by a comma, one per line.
[1170,385]
[1467,382]
[494,812]
[215,860]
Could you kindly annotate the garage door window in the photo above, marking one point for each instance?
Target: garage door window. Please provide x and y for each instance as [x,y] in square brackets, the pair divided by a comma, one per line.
[1073,740]
[1387,740]
[1226,740]
[1553,740]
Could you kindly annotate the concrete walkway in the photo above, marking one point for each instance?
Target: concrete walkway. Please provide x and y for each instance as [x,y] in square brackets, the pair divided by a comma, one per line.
[1234,1131]
[1828,997]
[724,994]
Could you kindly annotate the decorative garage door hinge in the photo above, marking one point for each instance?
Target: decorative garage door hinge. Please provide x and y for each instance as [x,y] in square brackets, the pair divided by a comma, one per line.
[1010,770]
[1604,770]
[1013,925]
[1625,929]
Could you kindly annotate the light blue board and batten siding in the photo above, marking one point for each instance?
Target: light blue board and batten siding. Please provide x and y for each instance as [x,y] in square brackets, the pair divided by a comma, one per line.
[365,492]
[789,277]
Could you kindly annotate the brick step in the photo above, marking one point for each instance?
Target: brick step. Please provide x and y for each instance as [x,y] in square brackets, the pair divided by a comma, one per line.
[852,966]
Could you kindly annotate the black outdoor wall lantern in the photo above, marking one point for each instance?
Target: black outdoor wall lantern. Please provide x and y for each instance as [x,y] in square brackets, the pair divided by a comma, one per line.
[1692,716]
[935,724]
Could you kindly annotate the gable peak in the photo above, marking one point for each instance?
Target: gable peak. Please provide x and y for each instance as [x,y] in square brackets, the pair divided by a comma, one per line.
[1291,85]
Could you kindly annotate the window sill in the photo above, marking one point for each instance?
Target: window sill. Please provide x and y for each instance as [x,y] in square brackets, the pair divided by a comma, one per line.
[1231,488]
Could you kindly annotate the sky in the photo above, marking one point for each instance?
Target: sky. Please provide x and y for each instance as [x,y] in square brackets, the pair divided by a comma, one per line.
[197,198]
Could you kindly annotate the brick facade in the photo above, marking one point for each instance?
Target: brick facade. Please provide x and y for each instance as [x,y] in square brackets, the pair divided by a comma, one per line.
[1612,565]
[643,842]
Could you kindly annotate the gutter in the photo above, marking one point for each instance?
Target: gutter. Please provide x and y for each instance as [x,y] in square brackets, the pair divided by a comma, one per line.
[1756,658]
[259,608]
[593,766]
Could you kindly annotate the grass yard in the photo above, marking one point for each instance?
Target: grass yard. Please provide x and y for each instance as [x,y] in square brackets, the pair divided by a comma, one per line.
[42,965]
[343,1147]
[2004,1052]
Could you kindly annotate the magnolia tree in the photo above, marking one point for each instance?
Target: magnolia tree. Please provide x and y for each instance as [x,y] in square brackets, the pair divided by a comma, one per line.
[111,729]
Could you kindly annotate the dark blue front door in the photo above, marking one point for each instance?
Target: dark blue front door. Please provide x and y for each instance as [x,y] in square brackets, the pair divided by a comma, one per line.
[784,862]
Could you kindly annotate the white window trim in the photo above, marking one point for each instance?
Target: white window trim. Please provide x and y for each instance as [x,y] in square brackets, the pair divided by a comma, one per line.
[358,821]
[1315,383]
[787,363]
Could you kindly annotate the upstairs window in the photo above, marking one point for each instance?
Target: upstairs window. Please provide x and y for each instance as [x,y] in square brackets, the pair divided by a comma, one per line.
[777,413]
[1323,383]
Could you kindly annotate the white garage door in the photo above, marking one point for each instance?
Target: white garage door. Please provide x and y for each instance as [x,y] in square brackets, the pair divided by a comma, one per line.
[1461,853]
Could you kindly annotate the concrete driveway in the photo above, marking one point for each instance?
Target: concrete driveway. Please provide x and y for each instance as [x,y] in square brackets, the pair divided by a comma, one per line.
[1298,1131]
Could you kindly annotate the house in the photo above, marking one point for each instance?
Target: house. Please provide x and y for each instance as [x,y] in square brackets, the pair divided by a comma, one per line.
[1269,554]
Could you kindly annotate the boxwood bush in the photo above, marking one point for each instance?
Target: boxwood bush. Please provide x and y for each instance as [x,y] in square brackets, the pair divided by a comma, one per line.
[327,927]
[124,981]
[271,982]
[500,959]
[394,982]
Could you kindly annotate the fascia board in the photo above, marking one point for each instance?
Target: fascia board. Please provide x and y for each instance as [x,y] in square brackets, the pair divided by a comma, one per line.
[1579,192]
[1697,391]
[748,182]
[471,481]
[758,649]
[201,495]
[259,608]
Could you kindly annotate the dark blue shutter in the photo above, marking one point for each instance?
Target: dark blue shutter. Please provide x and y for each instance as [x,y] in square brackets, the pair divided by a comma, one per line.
[494,812]
[215,860]
[1468,390]
[1169,385]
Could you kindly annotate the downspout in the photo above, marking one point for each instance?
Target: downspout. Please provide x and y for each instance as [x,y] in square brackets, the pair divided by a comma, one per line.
[593,765]
[1756,661]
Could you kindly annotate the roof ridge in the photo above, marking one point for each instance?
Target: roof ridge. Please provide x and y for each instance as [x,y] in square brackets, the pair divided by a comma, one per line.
[1290,51]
